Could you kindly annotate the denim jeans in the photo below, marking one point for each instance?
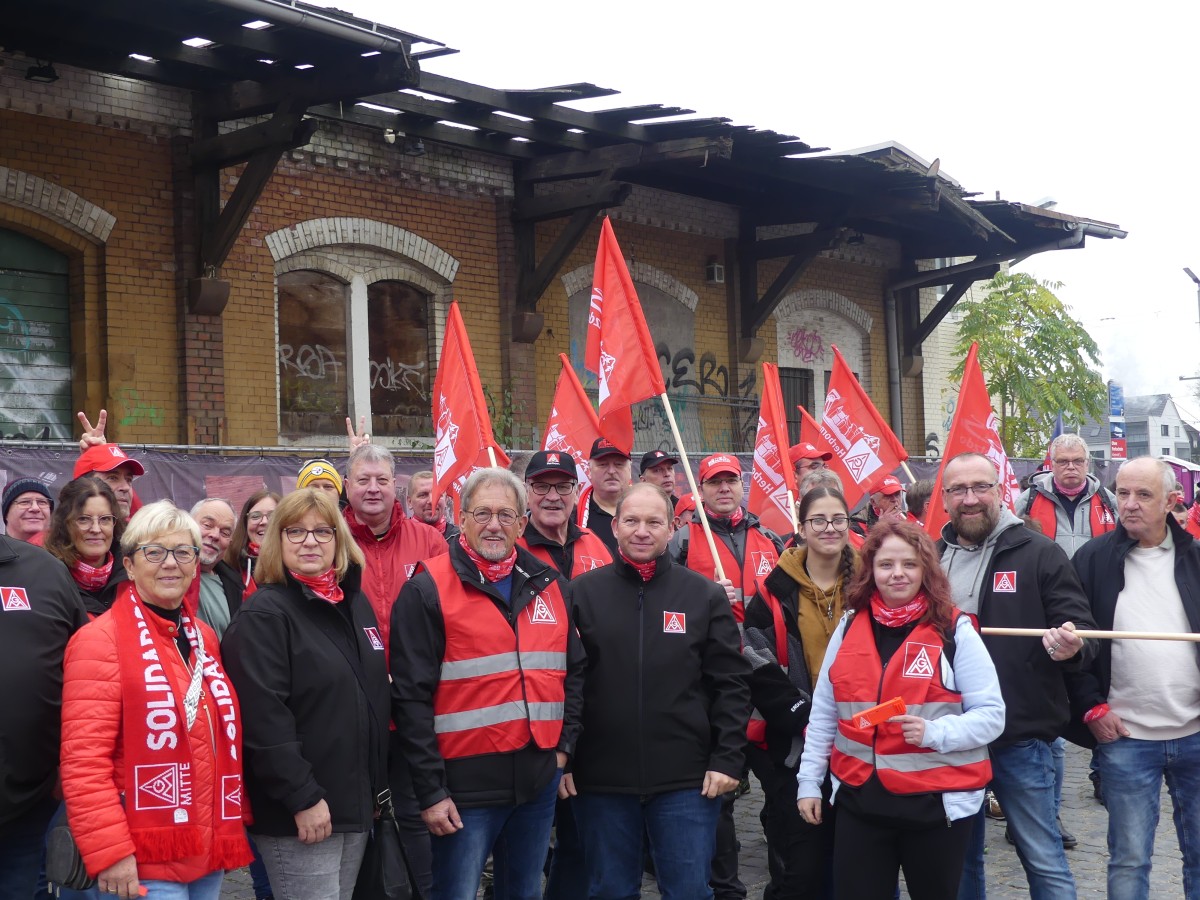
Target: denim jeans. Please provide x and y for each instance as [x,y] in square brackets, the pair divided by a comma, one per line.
[1132,772]
[682,829]
[518,838]
[973,885]
[567,878]
[206,888]
[326,870]
[22,848]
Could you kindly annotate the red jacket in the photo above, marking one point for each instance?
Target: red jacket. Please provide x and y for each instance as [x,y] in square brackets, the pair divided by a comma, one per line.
[392,559]
[93,756]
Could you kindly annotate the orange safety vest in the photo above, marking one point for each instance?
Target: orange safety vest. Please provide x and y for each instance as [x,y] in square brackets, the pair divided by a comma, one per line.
[1045,511]
[756,728]
[760,558]
[500,686]
[587,552]
[859,682]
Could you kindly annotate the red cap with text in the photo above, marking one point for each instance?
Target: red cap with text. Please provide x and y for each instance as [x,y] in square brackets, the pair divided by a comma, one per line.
[719,463]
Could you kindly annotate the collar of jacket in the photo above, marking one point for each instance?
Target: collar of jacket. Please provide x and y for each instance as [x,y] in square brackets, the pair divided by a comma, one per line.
[1125,542]
[8,550]
[362,532]
[529,571]
[534,538]
[661,564]
[749,520]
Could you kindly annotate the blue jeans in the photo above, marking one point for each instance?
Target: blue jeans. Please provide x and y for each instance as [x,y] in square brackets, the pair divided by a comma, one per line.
[206,888]
[518,838]
[1132,772]
[973,885]
[22,848]
[682,828]
[567,878]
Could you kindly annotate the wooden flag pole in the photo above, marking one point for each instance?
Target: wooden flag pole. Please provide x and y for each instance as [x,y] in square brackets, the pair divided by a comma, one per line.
[1193,637]
[492,455]
[792,510]
[907,471]
[687,470]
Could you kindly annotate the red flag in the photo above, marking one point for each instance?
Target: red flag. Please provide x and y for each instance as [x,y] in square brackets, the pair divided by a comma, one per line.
[773,475]
[619,343]
[572,426]
[810,431]
[462,427]
[975,429]
[864,447]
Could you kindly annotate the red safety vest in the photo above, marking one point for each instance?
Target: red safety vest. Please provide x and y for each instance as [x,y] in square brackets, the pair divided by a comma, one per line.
[499,687]
[914,674]
[760,558]
[587,552]
[1045,511]
[756,728]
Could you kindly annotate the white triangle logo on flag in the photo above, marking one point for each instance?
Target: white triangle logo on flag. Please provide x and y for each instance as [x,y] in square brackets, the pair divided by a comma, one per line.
[920,667]
[540,612]
[856,464]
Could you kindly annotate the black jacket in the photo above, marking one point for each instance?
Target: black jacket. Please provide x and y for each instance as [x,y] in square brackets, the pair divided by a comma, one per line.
[312,681]
[39,611]
[1046,594]
[660,706]
[1101,567]
[98,602]
[418,644]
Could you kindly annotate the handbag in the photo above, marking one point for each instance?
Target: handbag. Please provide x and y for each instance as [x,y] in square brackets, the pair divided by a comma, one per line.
[384,874]
[64,864]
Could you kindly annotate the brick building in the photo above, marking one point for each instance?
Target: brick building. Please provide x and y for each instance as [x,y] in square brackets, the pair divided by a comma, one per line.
[343,212]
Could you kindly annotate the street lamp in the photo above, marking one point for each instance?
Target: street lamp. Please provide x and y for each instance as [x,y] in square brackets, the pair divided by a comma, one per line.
[1192,275]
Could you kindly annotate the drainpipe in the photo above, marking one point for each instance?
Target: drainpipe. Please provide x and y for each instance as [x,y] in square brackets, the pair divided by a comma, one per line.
[893,362]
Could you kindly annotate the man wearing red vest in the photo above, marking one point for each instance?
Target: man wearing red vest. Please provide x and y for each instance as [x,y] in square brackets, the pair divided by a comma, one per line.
[1069,503]
[486,694]
[551,481]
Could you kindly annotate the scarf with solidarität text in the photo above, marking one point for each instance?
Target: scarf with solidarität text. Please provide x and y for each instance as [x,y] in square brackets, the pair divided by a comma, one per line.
[164,822]
[492,571]
[896,616]
[324,586]
[92,578]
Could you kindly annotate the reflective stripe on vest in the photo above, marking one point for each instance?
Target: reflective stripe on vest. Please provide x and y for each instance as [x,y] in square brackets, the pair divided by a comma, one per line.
[587,552]
[915,674]
[500,685]
[760,558]
[1045,511]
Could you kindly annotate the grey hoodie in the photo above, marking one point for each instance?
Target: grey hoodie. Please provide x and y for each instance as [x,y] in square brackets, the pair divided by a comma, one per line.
[965,566]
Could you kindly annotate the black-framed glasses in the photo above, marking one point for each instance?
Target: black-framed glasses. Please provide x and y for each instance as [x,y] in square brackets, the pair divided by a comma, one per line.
[542,488]
[156,553]
[322,534]
[959,491]
[83,523]
[822,523]
[483,516]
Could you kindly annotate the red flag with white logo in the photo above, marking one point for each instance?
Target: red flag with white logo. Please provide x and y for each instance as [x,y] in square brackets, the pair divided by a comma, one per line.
[773,475]
[619,349]
[975,429]
[864,447]
[572,427]
[462,426]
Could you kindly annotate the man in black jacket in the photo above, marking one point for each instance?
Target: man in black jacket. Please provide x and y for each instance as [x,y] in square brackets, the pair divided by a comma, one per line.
[1009,576]
[1141,699]
[664,712]
[39,611]
[485,694]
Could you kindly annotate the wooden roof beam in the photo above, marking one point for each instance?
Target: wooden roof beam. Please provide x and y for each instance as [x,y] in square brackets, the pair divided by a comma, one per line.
[624,156]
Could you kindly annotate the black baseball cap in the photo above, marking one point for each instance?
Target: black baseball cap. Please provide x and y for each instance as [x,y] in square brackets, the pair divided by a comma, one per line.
[654,458]
[551,461]
[604,447]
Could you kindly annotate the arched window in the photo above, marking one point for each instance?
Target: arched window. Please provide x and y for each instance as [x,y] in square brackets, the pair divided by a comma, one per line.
[398,317]
[313,376]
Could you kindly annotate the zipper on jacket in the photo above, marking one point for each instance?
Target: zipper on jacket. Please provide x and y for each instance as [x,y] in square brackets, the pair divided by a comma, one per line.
[641,728]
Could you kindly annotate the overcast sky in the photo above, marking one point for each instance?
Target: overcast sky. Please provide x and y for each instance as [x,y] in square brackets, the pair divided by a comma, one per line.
[1087,104]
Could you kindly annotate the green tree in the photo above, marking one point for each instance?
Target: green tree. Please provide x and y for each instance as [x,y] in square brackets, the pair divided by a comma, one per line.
[1037,359]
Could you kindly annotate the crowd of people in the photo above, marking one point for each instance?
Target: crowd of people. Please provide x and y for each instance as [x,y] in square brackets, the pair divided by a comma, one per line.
[565,689]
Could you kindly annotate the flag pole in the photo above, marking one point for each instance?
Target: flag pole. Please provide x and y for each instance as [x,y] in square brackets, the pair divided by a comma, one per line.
[1191,636]
[687,470]
[492,455]
[792,510]
[907,471]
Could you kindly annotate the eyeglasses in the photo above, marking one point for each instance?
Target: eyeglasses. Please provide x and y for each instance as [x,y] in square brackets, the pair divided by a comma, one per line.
[960,491]
[258,517]
[821,523]
[39,502]
[542,488]
[815,464]
[483,516]
[1070,463]
[322,534]
[83,523]
[156,553]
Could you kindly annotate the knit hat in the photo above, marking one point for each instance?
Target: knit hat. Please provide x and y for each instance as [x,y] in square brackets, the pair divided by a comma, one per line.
[316,469]
[15,489]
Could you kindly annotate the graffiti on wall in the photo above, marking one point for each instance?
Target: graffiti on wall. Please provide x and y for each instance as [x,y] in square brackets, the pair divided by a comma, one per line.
[315,361]
[808,345]
[392,375]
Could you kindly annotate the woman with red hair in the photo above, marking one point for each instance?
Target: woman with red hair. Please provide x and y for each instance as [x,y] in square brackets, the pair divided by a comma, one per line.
[905,786]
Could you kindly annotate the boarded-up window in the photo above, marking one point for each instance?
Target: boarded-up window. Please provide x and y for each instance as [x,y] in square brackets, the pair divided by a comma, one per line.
[399,348]
[313,377]
[35,341]
[797,388]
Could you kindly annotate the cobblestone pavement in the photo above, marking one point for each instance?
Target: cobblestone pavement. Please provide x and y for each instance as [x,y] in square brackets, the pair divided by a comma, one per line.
[1081,815]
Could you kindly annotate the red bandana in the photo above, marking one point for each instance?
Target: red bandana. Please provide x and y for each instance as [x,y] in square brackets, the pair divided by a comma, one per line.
[735,518]
[324,586]
[92,578]
[895,616]
[492,571]
[252,549]
[646,569]
[159,715]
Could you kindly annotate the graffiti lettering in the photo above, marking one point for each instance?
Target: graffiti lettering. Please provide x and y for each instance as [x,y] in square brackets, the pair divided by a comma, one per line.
[138,412]
[399,376]
[807,345]
[314,361]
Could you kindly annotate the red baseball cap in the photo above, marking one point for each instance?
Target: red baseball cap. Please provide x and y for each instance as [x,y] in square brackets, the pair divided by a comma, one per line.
[105,458]
[686,503]
[888,485]
[718,463]
[805,450]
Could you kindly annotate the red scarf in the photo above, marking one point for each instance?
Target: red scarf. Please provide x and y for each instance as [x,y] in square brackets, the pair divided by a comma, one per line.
[492,571]
[252,549]
[1071,494]
[163,819]
[646,569]
[324,586]
[92,578]
[895,616]
[735,517]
